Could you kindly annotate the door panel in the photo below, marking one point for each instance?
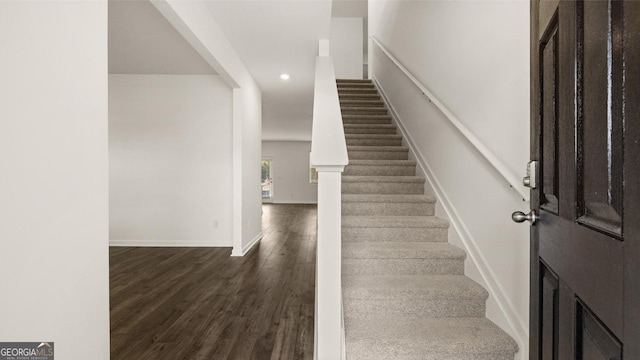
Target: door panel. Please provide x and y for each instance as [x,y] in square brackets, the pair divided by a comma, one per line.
[593,339]
[631,198]
[599,100]
[590,264]
[549,113]
[585,249]
[549,297]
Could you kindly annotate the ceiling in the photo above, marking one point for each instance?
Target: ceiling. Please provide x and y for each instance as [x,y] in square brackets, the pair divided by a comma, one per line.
[271,37]
[142,41]
[274,37]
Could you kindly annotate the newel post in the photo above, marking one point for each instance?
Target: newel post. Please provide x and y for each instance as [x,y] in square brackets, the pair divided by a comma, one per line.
[328,268]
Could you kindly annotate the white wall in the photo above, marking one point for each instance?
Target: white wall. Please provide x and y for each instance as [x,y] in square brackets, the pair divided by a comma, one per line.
[247,105]
[290,168]
[346,47]
[193,20]
[170,160]
[142,41]
[53,188]
[473,55]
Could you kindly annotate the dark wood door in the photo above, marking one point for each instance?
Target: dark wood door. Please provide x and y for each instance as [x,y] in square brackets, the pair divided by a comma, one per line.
[585,252]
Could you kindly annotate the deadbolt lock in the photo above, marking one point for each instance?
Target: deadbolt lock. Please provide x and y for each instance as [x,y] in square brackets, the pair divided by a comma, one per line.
[531,180]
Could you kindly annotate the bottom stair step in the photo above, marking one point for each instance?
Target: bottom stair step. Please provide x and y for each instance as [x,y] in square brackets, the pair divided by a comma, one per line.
[402,338]
[419,295]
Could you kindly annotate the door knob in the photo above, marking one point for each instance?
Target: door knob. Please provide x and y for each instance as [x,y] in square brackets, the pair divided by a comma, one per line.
[519,217]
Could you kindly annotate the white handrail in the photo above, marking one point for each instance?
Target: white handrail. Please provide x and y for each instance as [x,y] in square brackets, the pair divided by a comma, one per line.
[511,179]
[328,144]
[329,156]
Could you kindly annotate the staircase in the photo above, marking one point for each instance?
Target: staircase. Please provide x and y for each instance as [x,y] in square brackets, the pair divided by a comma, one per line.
[404,290]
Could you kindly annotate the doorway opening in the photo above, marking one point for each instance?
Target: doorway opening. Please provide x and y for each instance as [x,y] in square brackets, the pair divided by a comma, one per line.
[266,180]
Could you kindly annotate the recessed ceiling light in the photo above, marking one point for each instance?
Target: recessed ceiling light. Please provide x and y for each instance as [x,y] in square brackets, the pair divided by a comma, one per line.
[284,76]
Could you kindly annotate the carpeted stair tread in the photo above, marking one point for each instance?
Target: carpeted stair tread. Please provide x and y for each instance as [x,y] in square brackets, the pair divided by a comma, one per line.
[365,102]
[382,162]
[403,258]
[380,287]
[377,148]
[394,198]
[365,128]
[395,184]
[371,110]
[405,296]
[373,140]
[347,86]
[356,86]
[393,222]
[387,205]
[382,179]
[366,116]
[356,96]
[380,170]
[366,119]
[392,152]
[411,338]
[394,234]
[356,90]
[356,81]
[369,126]
[373,136]
[364,109]
[401,250]
[362,103]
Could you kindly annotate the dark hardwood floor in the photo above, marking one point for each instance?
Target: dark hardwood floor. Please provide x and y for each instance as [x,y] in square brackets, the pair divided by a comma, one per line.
[200,303]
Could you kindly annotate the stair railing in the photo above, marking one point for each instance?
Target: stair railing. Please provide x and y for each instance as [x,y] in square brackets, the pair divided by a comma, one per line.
[329,156]
[513,181]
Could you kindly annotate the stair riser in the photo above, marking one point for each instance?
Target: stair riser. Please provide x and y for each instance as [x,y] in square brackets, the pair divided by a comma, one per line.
[369,131]
[374,142]
[419,307]
[352,90]
[378,155]
[364,111]
[394,234]
[372,170]
[382,188]
[366,120]
[403,266]
[388,209]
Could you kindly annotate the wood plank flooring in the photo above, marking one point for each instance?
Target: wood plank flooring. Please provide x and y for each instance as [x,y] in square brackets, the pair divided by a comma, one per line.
[200,303]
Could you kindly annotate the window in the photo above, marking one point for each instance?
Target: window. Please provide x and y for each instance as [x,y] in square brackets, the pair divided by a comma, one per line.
[267,179]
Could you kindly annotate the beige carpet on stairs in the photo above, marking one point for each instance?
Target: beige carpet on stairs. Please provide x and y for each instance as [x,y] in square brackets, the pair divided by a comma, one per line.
[404,290]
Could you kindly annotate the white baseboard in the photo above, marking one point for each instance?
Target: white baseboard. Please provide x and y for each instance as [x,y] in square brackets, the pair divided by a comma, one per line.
[518,330]
[247,247]
[169,243]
